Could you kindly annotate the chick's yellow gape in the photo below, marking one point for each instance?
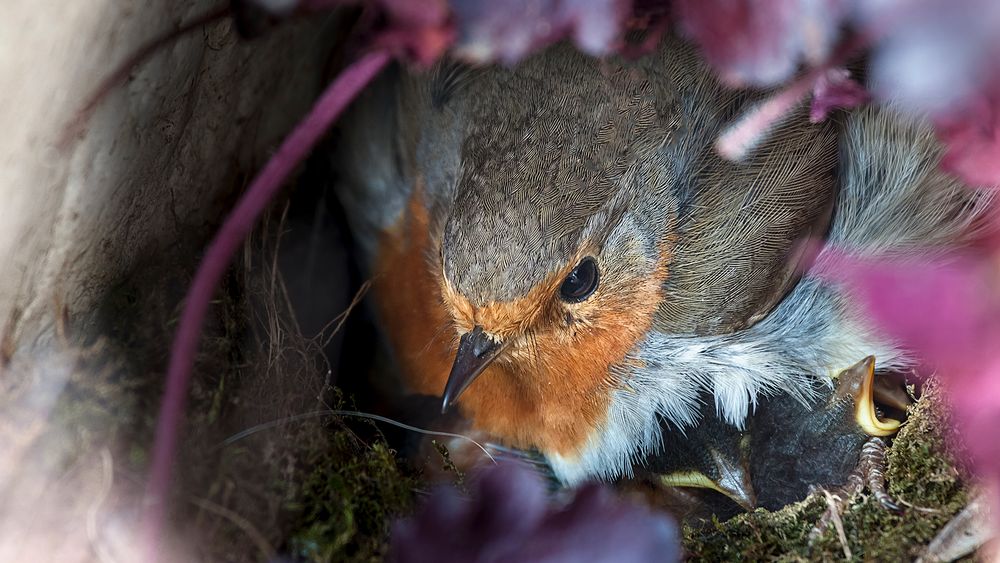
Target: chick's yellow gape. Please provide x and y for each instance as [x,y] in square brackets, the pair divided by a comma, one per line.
[558,250]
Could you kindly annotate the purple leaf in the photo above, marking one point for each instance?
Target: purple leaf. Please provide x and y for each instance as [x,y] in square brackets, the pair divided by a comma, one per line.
[509,517]
[972,139]
[421,31]
[934,308]
[509,30]
[761,43]
[938,57]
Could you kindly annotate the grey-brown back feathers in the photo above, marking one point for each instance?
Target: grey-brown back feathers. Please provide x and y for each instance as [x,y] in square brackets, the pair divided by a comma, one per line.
[896,198]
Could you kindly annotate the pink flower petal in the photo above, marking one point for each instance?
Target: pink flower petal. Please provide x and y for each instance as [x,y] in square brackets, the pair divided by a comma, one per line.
[972,138]
[759,43]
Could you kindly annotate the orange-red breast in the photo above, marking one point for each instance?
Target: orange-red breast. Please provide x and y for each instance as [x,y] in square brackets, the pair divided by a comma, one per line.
[557,248]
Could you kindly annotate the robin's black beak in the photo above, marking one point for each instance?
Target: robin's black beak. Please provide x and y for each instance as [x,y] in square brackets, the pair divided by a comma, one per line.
[475,351]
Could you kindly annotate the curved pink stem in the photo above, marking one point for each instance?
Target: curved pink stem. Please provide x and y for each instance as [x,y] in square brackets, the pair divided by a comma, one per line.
[220,252]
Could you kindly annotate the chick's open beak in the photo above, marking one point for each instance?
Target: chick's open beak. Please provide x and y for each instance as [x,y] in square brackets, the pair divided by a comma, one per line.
[476,350]
[864,400]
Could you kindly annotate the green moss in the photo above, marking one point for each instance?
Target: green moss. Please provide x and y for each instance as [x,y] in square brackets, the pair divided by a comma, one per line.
[921,474]
[347,500]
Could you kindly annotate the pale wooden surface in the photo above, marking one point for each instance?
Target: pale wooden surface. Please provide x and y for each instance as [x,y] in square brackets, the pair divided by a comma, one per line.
[73,222]
[156,150]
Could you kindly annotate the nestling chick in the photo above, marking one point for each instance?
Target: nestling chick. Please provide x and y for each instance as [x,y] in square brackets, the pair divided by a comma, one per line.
[557,248]
[787,449]
[793,448]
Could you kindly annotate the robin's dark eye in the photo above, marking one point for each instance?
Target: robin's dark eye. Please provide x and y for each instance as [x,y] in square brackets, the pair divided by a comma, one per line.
[581,282]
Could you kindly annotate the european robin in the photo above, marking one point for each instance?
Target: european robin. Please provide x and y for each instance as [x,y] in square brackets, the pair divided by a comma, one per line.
[557,249]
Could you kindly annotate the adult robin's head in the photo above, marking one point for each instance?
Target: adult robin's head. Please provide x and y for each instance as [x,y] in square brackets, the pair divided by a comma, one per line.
[575,207]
